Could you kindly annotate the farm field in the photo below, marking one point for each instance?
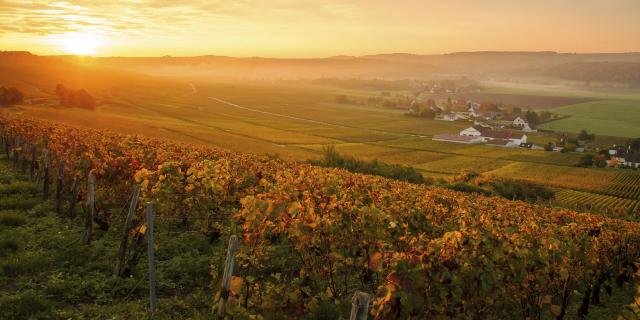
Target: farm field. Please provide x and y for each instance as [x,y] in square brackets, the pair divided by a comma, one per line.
[606,117]
[297,121]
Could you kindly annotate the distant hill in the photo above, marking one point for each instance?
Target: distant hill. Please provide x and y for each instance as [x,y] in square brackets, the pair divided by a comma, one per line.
[615,72]
[37,75]
[23,68]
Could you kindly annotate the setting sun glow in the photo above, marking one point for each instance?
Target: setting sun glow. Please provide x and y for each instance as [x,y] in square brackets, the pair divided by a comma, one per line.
[79,43]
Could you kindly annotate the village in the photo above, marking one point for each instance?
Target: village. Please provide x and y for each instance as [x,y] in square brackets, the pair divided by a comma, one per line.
[494,126]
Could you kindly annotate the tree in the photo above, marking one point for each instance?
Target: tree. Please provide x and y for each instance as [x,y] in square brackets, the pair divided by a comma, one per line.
[516,110]
[634,145]
[600,161]
[532,117]
[586,161]
[585,136]
[431,103]
[544,115]
[489,107]
[75,98]
[10,96]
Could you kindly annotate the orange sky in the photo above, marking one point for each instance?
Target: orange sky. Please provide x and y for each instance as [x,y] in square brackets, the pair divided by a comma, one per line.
[312,28]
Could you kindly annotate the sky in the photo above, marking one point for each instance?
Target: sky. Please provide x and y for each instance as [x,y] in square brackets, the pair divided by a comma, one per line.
[316,28]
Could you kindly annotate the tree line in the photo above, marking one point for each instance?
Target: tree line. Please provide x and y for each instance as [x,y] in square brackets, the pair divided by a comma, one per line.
[75,98]
[11,96]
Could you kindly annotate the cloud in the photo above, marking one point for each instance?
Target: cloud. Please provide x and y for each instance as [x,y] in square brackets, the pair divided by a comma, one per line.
[155,16]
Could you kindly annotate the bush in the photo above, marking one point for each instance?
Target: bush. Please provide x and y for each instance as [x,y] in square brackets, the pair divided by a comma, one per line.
[393,171]
[8,246]
[586,160]
[24,305]
[21,187]
[520,190]
[12,219]
[9,96]
[469,188]
[17,202]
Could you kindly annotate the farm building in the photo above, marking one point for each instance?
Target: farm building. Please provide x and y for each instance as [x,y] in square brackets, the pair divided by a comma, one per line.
[514,120]
[474,131]
[514,137]
[456,138]
[452,117]
[486,134]
[502,143]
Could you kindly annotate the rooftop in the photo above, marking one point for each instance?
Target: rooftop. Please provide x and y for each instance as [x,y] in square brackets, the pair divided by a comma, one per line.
[454,138]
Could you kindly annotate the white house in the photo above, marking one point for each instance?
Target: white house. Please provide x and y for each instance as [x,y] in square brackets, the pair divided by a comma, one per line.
[474,131]
[452,117]
[519,122]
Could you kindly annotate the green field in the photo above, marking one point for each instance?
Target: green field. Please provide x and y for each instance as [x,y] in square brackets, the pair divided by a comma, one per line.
[606,117]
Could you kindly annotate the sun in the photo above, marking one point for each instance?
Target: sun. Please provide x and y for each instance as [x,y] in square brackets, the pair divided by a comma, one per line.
[79,43]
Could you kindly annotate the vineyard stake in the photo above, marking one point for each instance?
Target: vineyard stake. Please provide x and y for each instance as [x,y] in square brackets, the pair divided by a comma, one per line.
[15,152]
[88,220]
[151,259]
[23,158]
[74,198]
[59,186]
[125,231]
[33,163]
[226,277]
[6,146]
[360,306]
[46,165]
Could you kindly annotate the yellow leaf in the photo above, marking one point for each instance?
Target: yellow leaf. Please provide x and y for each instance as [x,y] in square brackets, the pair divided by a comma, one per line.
[555,309]
[143,229]
[236,285]
[546,299]
[374,263]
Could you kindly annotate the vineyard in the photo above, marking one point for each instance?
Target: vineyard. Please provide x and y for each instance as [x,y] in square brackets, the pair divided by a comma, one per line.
[619,198]
[614,206]
[625,185]
[310,237]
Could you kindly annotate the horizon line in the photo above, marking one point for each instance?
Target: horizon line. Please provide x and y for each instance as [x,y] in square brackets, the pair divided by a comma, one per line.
[326,57]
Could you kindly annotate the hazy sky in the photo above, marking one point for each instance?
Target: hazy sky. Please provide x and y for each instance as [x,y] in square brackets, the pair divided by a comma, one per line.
[312,28]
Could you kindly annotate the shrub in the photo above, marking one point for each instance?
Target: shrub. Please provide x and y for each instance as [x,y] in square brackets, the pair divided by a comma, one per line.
[8,246]
[469,188]
[24,305]
[12,219]
[520,190]
[394,171]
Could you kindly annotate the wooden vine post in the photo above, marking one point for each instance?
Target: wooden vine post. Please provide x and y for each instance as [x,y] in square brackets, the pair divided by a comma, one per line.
[59,186]
[32,168]
[152,261]
[88,220]
[226,277]
[125,232]
[5,141]
[23,158]
[15,152]
[360,306]
[46,166]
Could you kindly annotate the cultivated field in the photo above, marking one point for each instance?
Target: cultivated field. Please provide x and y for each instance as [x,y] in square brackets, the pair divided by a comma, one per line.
[605,117]
[297,121]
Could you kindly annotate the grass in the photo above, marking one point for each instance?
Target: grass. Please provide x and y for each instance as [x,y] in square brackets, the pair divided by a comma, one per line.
[606,117]
[47,273]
